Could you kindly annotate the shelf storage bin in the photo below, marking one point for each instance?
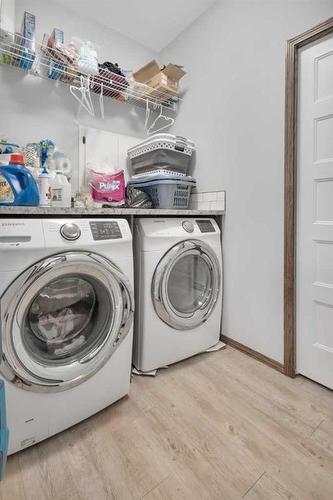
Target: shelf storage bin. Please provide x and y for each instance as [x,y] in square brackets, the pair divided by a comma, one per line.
[167,151]
[166,191]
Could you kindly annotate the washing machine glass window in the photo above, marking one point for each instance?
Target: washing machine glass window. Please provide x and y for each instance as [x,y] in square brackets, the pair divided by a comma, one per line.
[186,285]
[62,320]
[189,284]
[66,318]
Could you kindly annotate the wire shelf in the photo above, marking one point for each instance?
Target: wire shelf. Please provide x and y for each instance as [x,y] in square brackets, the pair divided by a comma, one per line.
[60,66]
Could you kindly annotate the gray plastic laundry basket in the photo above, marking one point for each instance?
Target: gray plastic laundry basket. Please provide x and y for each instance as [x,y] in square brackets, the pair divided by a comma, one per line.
[167,193]
[162,150]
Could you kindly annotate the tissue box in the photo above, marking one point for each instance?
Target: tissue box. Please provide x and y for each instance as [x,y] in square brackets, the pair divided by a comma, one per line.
[28,31]
[57,36]
[25,42]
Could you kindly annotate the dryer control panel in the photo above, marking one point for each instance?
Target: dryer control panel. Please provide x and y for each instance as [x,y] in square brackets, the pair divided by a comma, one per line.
[205,226]
[105,230]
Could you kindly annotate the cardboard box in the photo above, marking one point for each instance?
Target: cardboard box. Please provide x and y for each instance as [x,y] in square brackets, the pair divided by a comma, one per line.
[164,80]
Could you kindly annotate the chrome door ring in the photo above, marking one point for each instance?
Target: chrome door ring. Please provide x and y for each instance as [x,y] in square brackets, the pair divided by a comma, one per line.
[162,305]
[19,295]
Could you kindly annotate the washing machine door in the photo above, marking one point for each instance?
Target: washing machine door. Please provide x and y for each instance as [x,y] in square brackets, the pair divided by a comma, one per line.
[186,285]
[62,319]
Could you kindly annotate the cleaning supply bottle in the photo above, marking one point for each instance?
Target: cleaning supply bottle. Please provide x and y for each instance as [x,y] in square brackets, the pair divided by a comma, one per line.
[17,184]
[44,188]
[60,191]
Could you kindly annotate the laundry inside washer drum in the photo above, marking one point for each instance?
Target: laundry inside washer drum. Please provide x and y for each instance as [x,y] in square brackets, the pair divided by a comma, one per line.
[66,318]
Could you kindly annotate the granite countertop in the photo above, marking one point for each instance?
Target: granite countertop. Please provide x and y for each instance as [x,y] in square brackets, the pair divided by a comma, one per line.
[52,211]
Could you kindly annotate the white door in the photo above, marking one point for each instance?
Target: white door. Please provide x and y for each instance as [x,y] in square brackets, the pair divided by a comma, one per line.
[315,213]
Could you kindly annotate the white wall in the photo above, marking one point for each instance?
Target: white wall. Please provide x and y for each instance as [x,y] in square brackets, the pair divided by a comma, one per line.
[234,111]
[32,109]
[101,146]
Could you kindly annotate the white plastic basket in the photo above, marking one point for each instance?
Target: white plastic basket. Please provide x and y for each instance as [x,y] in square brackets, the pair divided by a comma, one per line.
[158,172]
[162,141]
[162,151]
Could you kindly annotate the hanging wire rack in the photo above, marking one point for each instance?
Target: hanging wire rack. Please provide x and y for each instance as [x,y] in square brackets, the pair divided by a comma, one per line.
[47,62]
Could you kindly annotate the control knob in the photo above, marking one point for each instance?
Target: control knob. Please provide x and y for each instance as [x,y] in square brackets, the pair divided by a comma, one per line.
[188,226]
[70,231]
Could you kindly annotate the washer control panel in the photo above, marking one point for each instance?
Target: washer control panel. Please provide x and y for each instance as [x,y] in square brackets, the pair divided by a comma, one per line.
[105,230]
[188,226]
[205,226]
[70,231]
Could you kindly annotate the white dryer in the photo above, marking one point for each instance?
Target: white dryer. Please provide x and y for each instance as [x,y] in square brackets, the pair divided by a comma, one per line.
[66,321]
[178,289]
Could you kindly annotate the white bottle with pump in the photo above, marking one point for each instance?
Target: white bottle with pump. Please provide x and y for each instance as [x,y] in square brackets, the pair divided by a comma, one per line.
[44,189]
[60,191]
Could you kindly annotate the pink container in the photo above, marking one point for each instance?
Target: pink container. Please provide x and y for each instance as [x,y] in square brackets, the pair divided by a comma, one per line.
[108,188]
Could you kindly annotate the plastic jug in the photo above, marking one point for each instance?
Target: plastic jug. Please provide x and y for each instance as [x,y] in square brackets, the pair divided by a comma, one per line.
[60,190]
[17,184]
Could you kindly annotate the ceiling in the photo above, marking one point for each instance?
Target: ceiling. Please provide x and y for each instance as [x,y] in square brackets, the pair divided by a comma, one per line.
[153,23]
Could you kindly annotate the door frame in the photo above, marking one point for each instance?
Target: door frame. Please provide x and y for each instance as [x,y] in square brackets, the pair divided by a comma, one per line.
[290,185]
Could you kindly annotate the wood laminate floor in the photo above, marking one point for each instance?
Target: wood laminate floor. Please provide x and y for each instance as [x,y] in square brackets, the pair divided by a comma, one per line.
[217,426]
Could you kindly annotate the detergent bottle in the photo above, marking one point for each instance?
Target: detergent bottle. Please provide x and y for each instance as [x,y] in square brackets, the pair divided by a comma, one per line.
[17,184]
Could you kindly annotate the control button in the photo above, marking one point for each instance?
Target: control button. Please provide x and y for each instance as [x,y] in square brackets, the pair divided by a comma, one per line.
[70,231]
[188,226]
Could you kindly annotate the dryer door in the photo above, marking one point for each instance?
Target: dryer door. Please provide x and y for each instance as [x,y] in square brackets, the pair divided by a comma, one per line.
[62,319]
[186,285]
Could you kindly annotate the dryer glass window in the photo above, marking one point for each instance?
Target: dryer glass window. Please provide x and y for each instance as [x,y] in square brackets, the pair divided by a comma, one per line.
[190,284]
[67,319]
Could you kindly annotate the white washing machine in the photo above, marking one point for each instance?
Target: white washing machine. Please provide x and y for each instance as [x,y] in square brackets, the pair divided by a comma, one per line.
[66,321]
[178,289]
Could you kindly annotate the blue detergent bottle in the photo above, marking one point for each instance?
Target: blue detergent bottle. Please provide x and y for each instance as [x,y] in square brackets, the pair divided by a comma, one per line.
[17,184]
